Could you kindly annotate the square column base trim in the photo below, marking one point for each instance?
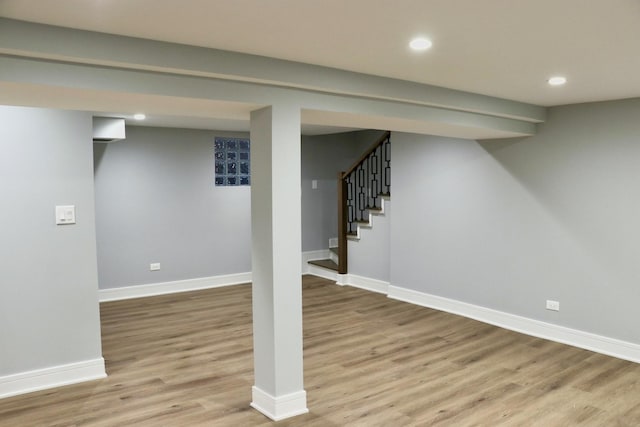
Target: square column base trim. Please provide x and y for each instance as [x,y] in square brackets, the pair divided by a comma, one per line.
[56,376]
[281,407]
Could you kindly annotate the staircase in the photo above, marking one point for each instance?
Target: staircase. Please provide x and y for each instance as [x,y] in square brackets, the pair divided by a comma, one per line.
[330,263]
[362,190]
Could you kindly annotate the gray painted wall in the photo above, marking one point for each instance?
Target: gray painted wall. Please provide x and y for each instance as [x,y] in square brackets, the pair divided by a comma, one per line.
[369,256]
[49,313]
[322,158]
[156,202]
[508,224]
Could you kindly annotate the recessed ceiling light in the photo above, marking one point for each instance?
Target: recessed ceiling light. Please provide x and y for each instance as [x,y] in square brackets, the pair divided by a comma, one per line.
[420,43]
[557,81]
[139,116]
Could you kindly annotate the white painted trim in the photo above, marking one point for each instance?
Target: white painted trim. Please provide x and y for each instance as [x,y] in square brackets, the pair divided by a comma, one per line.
[41,379]
[342,279]
[368,284]
[311,256]
[598,343]
[281,407]
[163,288]
[354,280]
[128,292]
[325,273]
[315,255]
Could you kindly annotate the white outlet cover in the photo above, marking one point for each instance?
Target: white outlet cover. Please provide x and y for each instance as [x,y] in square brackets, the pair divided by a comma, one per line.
[553,305]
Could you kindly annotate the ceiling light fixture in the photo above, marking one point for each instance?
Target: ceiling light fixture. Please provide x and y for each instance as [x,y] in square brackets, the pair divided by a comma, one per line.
[139,116]
[557,81]
[420,43]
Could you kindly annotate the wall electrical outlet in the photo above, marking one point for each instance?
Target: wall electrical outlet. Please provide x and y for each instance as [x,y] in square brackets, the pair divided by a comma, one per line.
[154,266]
[553,305]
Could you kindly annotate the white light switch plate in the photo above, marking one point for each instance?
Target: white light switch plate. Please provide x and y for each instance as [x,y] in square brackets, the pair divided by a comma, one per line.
[65,215]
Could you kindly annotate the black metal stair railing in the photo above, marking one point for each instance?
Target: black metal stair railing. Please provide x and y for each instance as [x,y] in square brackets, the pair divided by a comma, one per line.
[361,189]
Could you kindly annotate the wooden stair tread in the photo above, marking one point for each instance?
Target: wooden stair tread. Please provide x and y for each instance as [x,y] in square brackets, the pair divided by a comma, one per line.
[325,263]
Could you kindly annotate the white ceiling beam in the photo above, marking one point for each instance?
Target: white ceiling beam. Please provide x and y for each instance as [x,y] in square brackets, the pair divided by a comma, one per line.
[77,78]
[78,46]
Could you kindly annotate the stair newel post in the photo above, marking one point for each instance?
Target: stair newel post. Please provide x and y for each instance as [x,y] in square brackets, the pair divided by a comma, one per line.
[342,223]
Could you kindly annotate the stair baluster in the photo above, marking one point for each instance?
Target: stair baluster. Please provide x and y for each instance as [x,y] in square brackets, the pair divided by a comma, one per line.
[360,190]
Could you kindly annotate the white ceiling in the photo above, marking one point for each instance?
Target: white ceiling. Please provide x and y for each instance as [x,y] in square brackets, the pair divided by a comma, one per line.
[503,48]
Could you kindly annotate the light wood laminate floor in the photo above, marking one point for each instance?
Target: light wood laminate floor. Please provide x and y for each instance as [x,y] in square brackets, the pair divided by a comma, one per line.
[186,360]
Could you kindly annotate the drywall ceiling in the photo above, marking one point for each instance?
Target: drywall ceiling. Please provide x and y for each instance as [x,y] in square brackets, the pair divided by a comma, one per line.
[502,48]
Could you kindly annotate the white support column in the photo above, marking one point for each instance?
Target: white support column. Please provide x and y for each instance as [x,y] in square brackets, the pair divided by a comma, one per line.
[278,391]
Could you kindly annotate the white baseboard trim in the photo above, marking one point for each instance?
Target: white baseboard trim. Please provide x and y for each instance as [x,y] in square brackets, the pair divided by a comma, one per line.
[342,279]
[281,407]
[373,285]
[41,379]
[128,292]
[588,341]
[313,255]
[368,284]
[314,270]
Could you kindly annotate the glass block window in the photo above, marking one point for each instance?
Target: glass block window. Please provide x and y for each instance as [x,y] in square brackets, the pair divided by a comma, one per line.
[232,161]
